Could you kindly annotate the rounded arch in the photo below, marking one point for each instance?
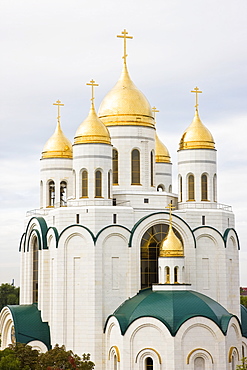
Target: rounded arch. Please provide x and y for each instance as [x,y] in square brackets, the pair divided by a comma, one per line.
[50,193]
[180,188]
[215,188]
[161,187]
[145,353]
[135,167]
[98,183]
[233,351]
[199,352]
[63,193]
[152,159]
[114,166]
[190,187]
[84,183]
[6,324]
[114,350]
[204,186]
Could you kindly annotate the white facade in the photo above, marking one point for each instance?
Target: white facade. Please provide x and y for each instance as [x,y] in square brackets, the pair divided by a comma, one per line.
[85,255]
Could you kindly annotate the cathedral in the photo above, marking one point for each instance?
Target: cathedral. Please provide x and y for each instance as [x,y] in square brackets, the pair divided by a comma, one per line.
[117,263]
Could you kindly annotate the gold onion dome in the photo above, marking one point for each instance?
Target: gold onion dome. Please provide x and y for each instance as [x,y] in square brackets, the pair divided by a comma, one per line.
[92,130]
[197,136]
[171,246]
[161,152]
[125,104]
[58,146]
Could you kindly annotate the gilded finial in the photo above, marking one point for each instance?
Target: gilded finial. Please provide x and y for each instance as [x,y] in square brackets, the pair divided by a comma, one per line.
[170,207]
[92,83]
[124,36]
[196,91]
[59,104]
[155,110]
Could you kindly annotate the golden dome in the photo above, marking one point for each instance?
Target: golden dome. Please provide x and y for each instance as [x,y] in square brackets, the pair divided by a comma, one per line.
[197,136]
[92,130]
[126,105]
[161,153]
[171,246]
[58,146]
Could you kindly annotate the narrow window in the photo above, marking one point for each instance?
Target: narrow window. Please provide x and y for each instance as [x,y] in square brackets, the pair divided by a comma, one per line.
[51,202]
[114,218]
[215,188]
[114,201]
[149,364]
[160,187]
[167,275]
[191,187]
[203,220]
[115,362]
[204,187]
[175,275]
[109,185]
[98,184]
[180,189]
[114,167]
[135,167]
[63,194]
[170,188]
[84,184]
[77,218]
[199,363]
[152,168]
[35,269]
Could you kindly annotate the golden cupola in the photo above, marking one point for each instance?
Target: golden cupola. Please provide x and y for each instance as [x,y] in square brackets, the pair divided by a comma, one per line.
[197,136]
[125,104]
[58,146]
[171,246]
[92,130]
[161,152]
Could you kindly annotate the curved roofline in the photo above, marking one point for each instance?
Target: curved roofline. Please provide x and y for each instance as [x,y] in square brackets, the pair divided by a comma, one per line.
[224,236]
[106,227]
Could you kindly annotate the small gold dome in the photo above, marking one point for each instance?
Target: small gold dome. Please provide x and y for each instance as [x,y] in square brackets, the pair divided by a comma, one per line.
[58,146]
[197,136]
[161,153]
[92,130]
[126,105]
[171,246]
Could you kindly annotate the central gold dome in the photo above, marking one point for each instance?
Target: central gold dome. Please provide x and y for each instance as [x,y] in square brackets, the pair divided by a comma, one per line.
[126,105]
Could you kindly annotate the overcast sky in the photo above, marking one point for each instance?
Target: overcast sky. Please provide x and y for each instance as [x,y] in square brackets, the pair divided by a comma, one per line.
[50,49]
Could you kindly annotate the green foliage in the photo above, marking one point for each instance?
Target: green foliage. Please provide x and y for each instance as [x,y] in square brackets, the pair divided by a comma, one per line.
[243,300]
[9,294]
[243,366]
[22,356]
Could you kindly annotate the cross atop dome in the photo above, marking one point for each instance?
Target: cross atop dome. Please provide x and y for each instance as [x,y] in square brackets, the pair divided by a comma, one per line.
[155,110]
[124,36]
[59,104]
[93,84]
[196,91]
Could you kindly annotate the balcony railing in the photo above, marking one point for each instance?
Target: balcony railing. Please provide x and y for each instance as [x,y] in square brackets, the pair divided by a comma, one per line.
[193,205]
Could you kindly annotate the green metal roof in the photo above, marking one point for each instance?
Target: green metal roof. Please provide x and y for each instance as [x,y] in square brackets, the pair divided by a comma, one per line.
[244,320]
[29,325]
[172,308]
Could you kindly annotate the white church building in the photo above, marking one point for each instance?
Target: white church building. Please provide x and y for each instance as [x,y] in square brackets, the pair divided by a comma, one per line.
[116,264]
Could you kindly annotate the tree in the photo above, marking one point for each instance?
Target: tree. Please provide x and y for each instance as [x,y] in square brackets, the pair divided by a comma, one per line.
[27,356]
[243,366]
[243,300]
[9,294]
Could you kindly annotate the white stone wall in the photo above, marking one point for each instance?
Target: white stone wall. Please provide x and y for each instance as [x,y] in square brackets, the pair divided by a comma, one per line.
[163,176]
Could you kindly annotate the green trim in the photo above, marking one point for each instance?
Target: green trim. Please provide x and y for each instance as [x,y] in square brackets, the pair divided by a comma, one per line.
[225,235]
[29,325]
[153,214]
[43,227]
[55,232]
[23,236]
[209,227]
[106,227]
[38,237]
[84,227]
[243,316]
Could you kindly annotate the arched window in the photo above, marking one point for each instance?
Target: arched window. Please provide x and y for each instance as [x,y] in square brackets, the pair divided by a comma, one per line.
[115,362]
[175,275]
[167,275]
[204,187]
[98,184]
[135,167]
[114,167]
[41,194]
[160,187]
[51,190]
[109,185]
[84,184]
[35,250]
[152,169]
[215,187]
[191,187]
[170,188]
[149,365]
[180,189]
[199,363]
[63,194]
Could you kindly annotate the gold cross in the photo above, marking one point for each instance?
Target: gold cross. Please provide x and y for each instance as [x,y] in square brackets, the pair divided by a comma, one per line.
[170,207]
[155,111]
[59,104]
[196,90]
[92,83]
[125,33]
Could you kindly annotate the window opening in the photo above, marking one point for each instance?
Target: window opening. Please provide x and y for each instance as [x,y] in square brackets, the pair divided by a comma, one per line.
[84,187]
[98,184]
[135,167]
[146,200]
[63,194]
[175,275]
[114,218]
[152,168]
[203,220]
[167,275]
[77,218]
[199,363]
[215,188]
[114,201]
[114,167]
[109,185]
[191,187]
[180,189]
[51,202]
[149,363]
[204,187]
[160,187]
[35,269]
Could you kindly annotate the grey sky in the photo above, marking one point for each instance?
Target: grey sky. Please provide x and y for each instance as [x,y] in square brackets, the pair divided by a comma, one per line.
[50,49]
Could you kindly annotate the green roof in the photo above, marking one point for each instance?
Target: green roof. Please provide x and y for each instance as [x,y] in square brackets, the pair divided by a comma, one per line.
[172,308]
[29,325]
